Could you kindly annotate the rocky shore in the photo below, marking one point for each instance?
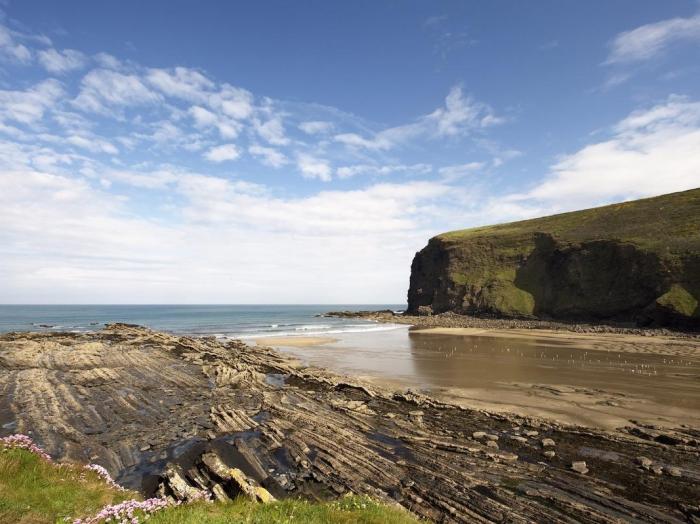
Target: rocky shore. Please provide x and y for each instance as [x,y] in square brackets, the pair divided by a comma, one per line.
[174,415]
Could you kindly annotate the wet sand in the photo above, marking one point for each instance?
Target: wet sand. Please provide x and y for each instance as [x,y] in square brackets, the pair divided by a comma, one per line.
[597,380]
[658,344]
[294,341]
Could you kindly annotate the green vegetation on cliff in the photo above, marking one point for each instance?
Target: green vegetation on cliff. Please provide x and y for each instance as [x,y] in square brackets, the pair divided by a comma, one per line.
[637,260]
[670,221]
[34,490]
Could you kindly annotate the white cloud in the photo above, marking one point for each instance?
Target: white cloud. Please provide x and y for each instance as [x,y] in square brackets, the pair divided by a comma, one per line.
[92,143]
[460,115]
[370,169]
[70,120]
[269,156]
[103,88]
[228,127]
[28,107]
[232,101]
[651,152]
[56,230]
[272,131]
[59,62]
[315,127]
[57,243]
[166,133]
[12,50]
[203,117]
[150,180]
[181,82]
[108,61]
[649,41]
[460,170]
[222,153]
[380,208]
[378,142]
[312,167]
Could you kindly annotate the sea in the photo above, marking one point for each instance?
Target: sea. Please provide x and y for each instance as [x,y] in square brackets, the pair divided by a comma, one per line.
[223,321]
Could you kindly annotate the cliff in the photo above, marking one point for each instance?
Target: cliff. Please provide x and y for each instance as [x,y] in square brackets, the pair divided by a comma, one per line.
[634,261]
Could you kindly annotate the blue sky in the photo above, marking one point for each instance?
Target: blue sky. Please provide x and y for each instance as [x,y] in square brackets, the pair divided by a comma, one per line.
[212,152]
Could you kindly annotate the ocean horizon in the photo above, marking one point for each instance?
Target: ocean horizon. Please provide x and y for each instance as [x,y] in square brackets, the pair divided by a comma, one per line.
[219,320]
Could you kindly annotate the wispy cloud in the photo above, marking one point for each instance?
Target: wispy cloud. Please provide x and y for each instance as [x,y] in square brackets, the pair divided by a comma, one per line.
[11,49]
[104,91]
[222,153]
[382,170]
[454,172]
[182,82]
[60,62]
[651,40]
[268,155]
[29,106]
[460,115]
[314,127]
[312,167]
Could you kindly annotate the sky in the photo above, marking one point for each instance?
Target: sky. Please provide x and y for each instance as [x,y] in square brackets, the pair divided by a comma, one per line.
[302,152]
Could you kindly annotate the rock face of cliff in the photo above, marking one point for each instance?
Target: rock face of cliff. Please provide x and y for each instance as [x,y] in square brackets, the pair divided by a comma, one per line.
[635,261]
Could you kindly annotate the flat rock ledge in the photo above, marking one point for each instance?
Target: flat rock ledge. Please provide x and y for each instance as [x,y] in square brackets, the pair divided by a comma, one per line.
[176,415]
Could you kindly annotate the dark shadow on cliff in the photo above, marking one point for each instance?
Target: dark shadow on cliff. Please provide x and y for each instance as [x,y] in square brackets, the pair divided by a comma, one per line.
[595,280]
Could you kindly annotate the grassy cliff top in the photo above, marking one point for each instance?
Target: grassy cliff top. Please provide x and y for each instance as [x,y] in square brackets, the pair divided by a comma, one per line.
[668,222]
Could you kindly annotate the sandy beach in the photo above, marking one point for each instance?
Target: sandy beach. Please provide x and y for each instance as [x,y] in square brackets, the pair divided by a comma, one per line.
[294,341]
[660,345]
[602,380]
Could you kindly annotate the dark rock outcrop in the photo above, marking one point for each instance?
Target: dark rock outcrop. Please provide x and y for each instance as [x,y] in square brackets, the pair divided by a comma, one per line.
[632,262]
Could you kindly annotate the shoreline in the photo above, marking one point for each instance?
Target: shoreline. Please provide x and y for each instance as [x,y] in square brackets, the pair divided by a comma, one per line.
[455,320]
[149,405]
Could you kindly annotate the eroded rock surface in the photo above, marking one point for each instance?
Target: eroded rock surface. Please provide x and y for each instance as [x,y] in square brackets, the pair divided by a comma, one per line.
[177,414]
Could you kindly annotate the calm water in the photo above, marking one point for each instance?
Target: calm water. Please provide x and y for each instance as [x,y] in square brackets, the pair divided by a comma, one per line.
[242,321]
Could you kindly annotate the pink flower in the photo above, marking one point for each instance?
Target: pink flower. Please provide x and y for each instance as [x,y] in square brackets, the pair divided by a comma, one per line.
[104,475]
[19,441]
[124,512]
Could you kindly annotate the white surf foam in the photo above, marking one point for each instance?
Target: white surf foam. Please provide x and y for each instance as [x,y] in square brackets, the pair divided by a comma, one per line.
[354,328]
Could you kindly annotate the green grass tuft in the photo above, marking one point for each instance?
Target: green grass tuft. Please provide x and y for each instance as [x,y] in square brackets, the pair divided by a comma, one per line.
[33,490]
[36,491]
[355,509]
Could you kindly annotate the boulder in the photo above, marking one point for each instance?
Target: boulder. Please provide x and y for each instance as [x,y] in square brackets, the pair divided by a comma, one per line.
[580,467]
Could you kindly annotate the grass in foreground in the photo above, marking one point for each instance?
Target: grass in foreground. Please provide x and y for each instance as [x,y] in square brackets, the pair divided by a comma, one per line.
[355,509]
[34,490]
